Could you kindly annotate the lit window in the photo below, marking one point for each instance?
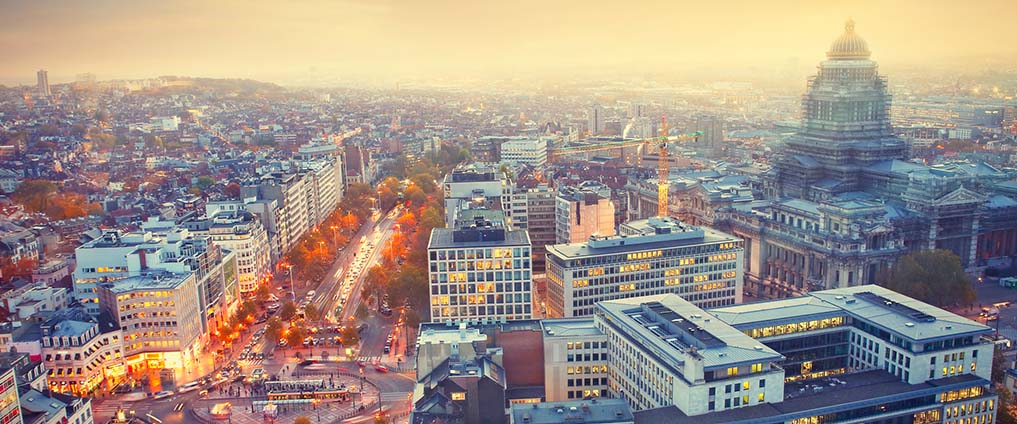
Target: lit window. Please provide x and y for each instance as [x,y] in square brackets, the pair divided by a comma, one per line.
[458,395]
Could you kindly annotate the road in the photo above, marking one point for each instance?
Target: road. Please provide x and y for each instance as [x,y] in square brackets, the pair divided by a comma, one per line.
[344,277]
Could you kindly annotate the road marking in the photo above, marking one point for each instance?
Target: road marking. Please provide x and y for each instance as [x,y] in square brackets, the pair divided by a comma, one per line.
[179,407]
[154,418]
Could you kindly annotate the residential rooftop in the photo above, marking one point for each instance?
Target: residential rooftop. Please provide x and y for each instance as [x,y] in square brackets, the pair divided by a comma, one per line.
[649,234]
[591,411]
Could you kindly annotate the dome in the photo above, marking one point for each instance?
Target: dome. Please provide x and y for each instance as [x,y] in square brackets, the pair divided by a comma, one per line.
[849,45]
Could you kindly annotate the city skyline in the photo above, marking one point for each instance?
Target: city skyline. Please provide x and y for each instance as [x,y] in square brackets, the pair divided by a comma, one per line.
[310,42]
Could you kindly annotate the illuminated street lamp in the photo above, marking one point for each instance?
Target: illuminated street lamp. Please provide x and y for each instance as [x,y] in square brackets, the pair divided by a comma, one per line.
[293,294]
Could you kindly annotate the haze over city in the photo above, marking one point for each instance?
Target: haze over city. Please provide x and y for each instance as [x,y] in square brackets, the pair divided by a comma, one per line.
[508,212]
[348,40]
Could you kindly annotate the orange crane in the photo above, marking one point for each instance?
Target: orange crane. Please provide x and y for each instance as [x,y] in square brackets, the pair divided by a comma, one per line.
[663,166]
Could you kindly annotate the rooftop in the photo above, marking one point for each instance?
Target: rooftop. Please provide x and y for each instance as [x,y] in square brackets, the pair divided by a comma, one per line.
[591,411]
[570,327]
[674,328]
[650,234]
[887,309]
[153,281]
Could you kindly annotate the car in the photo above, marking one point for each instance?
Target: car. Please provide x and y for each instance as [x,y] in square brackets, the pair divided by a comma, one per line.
[380,368]
[361,328]
[203,393]
[162,395]
[192,386]
[282,343]
[260,355]
[388,349]
[243,355]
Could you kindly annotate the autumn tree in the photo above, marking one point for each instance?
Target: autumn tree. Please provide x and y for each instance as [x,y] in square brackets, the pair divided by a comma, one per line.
[232,190]
[374,283]
[302,420]
[312,312]
[349,335]
[261,293]
[9,268]
[932,276]
[273,329]
[35,195]
[288,310]
[296,335]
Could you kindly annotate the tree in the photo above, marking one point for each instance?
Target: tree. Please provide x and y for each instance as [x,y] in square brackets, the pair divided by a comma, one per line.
[349,336]
[932,276]
[261,293]
[34,194]
[1006,413]
[999,365]
[380,418]
[204,182]
[411,318]
[374,282]
[361,312]
[288,310]
[302,420]
[232,190]
[274,329]
[21,268]
[311,312]
[296,335]
[248,308]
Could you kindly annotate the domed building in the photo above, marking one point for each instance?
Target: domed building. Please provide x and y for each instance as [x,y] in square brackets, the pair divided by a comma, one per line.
[845,125]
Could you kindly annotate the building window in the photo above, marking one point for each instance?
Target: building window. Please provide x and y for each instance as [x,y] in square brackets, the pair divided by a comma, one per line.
[458,395]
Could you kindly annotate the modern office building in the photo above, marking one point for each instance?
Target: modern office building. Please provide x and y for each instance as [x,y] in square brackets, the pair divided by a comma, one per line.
[10,402]
[859,354]
[653,256]
[665,351]
[115,256]
[596,119]
[575,360]
[231,226]
[473,185]
[42,83]
[532,209]
[583,211]
[159,314]
[479,269]
[530,152]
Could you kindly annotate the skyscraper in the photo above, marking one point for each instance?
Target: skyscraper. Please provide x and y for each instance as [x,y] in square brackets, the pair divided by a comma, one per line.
[42,84]
[596,119]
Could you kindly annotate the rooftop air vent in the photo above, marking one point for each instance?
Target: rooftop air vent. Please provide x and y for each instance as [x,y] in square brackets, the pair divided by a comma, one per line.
[909,324]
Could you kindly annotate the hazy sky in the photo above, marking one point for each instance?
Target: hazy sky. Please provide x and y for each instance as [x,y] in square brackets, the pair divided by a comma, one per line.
[283,40]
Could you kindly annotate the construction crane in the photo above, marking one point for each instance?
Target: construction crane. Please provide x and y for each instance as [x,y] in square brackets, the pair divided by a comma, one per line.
[663,166]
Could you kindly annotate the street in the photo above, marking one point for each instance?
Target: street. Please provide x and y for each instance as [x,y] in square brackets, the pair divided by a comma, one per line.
[344,279]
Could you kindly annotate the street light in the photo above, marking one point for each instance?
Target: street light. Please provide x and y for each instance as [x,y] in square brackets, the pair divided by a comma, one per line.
[293,294]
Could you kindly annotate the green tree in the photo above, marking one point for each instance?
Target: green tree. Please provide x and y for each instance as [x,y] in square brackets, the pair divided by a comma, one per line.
[288,310]
[247,308]
[273,329]
[204,182]
[35,195]
[932,276]
[311,312]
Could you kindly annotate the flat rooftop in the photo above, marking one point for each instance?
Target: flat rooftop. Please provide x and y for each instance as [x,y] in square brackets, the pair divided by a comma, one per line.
[648,238]
[570,327]
[674,327]
[591,411]
[889,310]
[831,394]
[441,238]
[159,281]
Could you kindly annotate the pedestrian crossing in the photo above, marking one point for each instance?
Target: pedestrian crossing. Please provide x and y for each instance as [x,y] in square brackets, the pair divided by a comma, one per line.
[369,359]
[108,409]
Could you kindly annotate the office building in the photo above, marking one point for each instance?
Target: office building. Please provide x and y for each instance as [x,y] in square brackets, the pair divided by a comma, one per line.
[231,226]
[42,83]
[475,185]
[583,211]
[593,411]
[596,119]
[10,402]
[159,314]
[575,360]
[532,209]
[710,143]
[653,256]
[859,354]
[325,186]
[479,269]
[530,152]
[115,256]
